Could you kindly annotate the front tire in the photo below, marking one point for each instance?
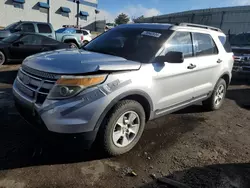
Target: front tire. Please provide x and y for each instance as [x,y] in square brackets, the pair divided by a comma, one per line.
[2,58]
[73,45]
[218,96]
[123,128]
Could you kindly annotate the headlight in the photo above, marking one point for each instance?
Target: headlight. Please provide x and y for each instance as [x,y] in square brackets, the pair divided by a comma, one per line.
[68,86]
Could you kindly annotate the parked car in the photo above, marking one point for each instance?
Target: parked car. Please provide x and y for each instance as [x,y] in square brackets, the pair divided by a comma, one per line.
[241,48]
[18,46]
[123,78]
[83,35]
[74,39]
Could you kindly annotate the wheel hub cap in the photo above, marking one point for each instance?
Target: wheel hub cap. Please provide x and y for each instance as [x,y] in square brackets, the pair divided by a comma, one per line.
[219,95]
[126,129]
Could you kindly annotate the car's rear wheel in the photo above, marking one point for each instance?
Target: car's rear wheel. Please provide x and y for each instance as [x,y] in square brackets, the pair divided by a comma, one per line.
[123,128]
[2,58]
[217,98]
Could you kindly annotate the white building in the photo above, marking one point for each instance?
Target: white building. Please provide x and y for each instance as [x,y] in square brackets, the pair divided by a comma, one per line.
[57,12]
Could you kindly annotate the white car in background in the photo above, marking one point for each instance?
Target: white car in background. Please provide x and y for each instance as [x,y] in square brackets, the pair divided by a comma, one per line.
[87,37]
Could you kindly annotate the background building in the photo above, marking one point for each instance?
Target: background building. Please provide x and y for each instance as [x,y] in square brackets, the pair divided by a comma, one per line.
[57,12]
[232,20]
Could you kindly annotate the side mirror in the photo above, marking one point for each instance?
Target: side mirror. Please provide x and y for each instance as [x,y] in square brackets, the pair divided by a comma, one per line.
[18,43]
[171,57]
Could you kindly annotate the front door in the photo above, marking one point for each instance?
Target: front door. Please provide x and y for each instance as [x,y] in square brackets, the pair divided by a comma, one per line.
[29,45]
[175,81]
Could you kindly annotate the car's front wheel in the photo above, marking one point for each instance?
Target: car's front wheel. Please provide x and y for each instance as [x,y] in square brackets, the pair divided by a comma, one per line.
[217,98]
[2,58]
[123,128]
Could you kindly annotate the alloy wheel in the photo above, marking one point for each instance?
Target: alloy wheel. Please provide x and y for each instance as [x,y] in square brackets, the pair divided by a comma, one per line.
[126,129]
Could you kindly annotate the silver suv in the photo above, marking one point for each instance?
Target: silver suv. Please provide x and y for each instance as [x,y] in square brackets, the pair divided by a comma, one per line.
[123,78]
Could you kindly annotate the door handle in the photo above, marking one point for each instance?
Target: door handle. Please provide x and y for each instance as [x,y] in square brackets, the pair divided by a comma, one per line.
[50,36]
[219,61]
[191,66]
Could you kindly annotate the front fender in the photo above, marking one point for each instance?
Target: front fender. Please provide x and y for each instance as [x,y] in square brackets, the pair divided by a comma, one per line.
[120,97]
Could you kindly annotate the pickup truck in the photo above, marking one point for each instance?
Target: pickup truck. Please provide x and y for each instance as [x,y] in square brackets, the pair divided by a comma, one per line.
[46,29]
[241,48]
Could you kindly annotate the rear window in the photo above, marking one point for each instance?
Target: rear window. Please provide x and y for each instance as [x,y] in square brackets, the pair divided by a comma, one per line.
[225,42]
[44,28]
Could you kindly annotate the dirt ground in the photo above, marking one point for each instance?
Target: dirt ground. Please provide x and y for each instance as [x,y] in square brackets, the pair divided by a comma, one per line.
[181,146]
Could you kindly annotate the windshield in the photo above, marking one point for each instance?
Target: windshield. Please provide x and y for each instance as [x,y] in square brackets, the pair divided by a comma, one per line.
[11,38]
[11,26]
[241,39]
[136,44]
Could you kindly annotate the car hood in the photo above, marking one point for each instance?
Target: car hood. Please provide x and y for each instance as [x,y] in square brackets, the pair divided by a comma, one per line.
[241,50]
[72,61]
[4,33]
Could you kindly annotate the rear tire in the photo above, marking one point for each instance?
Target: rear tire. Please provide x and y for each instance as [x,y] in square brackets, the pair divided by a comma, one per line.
[122,129]
[2,58]
[218,96]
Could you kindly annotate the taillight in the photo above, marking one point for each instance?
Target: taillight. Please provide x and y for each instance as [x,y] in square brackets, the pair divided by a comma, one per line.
[82,37]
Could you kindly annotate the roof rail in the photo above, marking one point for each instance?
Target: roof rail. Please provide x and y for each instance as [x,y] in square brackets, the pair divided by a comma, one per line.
[200,26]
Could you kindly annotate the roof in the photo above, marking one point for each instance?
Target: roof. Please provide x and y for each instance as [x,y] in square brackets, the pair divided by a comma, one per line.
[146,26]
[32,22]
[168,26]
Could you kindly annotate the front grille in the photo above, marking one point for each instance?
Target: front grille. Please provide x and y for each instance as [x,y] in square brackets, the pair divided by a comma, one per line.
[246,68]
[36,87]
[241,51]
[40,74]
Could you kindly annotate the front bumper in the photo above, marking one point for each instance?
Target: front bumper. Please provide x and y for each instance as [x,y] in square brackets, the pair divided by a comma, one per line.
[52,119]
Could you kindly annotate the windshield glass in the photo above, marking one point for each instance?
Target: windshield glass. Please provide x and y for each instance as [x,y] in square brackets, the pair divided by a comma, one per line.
[11,26]
[11,38]
[241,39]
[136,44]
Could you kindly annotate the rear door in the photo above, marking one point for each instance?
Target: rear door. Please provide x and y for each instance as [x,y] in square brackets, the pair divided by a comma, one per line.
[45,29]
[207,63]
[51,44]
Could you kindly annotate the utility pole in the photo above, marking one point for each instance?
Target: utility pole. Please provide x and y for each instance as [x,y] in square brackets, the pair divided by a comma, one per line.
[96,12]
[48,19]
[77,17]
[77,11]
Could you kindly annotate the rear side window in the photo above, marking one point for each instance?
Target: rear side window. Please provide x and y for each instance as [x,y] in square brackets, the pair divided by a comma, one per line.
[181,42]
[225,42]
[44,28]
[84,32]
[49,41]
[204,44]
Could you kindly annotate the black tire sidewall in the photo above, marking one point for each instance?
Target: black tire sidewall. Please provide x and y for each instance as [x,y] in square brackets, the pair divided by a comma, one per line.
[219,83]
[120,109]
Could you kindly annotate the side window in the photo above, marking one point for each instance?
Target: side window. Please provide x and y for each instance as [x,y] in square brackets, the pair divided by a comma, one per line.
[27,27]
[48,41]
[181,42]
[204,44]
[31,40]
[225,42]
[84,32]
[44,28]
